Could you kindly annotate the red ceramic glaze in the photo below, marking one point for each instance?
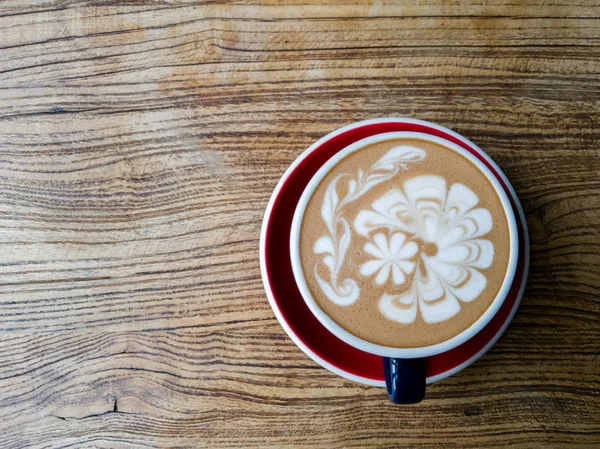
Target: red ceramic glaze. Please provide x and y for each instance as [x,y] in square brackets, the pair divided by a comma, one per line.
[285,296]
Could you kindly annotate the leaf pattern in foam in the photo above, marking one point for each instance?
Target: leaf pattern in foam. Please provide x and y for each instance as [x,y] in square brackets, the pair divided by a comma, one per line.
[346,293]
[397,156]
[388,166]
[344,243]
[330,204]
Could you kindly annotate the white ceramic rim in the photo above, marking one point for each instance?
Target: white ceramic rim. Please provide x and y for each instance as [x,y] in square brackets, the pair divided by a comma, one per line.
[263,263]
[387,351]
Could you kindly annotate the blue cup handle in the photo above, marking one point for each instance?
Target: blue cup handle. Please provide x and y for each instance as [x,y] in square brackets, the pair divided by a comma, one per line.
[405,380]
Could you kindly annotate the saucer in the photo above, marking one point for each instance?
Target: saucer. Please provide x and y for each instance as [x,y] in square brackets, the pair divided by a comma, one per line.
[283,294]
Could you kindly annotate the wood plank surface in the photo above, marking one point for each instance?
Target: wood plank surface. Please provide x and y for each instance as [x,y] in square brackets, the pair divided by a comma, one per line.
[139,145]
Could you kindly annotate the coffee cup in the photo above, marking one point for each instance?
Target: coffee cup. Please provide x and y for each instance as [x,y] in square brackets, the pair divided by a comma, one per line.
[404,245]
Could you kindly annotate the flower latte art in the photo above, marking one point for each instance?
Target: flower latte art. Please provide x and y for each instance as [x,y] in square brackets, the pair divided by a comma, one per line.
[404,243]
[448,227]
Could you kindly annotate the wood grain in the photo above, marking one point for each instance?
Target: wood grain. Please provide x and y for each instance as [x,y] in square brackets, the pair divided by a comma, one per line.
[139,144]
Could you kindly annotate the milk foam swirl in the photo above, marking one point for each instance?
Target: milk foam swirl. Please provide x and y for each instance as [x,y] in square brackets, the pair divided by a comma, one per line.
[423,243]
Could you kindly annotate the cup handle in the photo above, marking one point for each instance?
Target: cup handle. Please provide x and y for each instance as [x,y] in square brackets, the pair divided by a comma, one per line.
[404,380]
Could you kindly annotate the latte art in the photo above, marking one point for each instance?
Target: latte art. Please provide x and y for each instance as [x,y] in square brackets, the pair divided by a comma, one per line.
[449,228]
[405,235]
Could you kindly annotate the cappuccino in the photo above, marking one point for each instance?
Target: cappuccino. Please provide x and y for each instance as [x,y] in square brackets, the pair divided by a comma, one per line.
[404,243]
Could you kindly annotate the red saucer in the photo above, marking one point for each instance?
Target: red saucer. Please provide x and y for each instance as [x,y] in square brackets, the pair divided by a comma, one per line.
[287,303]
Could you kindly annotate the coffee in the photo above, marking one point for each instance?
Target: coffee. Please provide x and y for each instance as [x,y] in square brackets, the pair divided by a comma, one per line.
[404,243]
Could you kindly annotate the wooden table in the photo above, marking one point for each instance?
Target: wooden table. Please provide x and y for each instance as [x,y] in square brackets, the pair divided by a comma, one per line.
[139,145]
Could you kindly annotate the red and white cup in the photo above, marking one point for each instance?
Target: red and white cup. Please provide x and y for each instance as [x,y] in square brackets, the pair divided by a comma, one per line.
[405,369]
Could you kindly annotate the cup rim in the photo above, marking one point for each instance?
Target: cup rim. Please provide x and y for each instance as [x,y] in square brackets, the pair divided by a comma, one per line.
[387,351]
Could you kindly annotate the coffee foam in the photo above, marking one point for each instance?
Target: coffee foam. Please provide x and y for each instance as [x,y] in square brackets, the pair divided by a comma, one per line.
[404,243]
